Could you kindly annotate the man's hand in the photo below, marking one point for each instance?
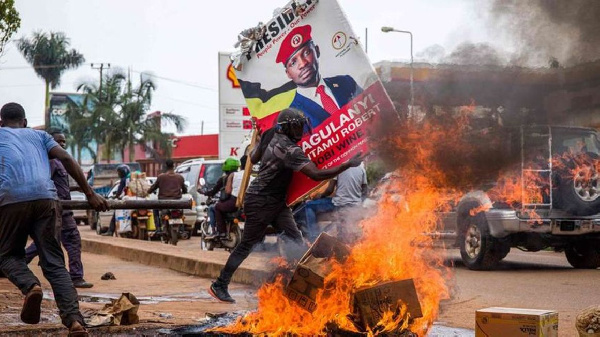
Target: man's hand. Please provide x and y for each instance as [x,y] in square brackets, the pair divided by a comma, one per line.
[97,202]
[356,160]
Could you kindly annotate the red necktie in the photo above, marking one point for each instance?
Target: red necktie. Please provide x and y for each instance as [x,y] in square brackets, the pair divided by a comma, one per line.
[328,103]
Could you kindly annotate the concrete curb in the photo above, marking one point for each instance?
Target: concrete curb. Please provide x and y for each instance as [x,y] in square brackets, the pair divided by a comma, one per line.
[189,259]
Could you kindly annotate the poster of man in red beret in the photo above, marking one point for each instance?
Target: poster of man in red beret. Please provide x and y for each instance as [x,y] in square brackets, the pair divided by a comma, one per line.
[310,59]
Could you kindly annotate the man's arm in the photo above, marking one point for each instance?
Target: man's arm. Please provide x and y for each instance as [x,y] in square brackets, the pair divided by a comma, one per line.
[264,140]
[214,190]
[184,188]
[329,190]
[313,172]
[154,186]
[364,187]
[96,201]
[229,184]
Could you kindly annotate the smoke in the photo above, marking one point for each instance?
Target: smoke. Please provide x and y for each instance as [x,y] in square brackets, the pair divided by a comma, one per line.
[529,33]
[469,53]
[544,29]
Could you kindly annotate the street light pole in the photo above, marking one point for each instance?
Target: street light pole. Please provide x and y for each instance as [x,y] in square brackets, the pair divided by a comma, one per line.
[412,91]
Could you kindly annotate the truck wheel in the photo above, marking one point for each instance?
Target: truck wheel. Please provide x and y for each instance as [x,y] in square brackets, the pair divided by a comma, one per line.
[478,249]
[579,186]
[583,255]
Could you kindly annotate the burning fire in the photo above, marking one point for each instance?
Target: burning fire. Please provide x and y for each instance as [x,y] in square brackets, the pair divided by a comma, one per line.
[392,247]
[438,162]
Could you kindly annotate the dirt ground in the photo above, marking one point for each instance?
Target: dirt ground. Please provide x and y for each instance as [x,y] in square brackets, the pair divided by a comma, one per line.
[168,298]
[542,280]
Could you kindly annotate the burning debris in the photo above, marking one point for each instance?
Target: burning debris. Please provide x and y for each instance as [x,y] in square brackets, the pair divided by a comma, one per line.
[588,321]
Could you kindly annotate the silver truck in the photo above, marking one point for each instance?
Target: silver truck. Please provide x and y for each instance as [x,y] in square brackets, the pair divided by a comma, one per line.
[559,208]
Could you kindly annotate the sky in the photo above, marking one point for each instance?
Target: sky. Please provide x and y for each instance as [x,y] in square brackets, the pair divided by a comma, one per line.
[178,41]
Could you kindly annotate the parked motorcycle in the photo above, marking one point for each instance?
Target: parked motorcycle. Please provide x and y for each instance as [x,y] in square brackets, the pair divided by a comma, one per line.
[172,226]
[139,223]
[233,221]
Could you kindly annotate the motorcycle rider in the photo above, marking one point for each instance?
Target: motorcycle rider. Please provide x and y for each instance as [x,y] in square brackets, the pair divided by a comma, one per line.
[124,173]
[265,200]
[170,185]
[224,185]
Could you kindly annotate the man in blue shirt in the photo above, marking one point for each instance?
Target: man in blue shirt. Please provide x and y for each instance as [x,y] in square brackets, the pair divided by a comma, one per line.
[29,207]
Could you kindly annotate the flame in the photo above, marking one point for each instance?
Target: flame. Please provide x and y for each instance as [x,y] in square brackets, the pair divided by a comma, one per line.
[433,175]
[392,248]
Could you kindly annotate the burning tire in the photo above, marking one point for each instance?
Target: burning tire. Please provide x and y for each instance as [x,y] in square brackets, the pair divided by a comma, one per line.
[579,186]
[478,249]
[584,255]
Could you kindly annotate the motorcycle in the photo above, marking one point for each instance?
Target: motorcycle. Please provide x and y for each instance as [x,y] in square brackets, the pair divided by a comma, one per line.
[209,238]
[139,223]
[172,226]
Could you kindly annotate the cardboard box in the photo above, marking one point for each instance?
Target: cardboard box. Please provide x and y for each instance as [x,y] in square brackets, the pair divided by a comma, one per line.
[371,303]
[312,269]
[514,322]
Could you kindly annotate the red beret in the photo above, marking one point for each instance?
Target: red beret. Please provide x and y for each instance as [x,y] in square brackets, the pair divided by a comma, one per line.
[296,38]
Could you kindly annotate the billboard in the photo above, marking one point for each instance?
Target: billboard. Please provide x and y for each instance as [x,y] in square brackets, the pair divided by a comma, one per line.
[235,125]
[59,103]
[309,58]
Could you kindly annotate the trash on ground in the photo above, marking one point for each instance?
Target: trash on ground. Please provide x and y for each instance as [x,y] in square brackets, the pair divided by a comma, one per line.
[588,322]
[122,311]
[108,276]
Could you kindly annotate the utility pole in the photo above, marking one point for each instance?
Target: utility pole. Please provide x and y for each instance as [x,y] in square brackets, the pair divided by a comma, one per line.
[101,68]
[366,40]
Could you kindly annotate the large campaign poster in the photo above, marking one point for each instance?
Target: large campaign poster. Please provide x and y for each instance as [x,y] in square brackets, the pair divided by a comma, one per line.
[235,124]
[309,58]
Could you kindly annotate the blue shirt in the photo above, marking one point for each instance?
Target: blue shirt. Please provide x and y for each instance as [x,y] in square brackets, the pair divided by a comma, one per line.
[25,166]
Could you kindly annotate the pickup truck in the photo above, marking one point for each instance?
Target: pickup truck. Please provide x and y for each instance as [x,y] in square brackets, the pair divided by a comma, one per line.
[559,207]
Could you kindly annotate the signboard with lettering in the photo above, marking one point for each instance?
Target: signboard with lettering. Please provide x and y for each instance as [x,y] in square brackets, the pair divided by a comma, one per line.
[235,125]
[309,58]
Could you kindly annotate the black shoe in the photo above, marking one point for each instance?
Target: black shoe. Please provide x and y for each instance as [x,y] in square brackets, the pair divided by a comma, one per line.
[108,234]
[31,311]
[82,284]
[220,293]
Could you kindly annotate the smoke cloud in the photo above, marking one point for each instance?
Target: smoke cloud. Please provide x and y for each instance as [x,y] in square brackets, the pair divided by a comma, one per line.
[545,29]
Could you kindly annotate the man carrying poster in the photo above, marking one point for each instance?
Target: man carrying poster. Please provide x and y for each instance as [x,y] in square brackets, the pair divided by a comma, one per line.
[264,203]
[316,96]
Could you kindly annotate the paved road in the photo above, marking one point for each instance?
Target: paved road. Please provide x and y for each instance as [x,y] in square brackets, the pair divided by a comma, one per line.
[541,280]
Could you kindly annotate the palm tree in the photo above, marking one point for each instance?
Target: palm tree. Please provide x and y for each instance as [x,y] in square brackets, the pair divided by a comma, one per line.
[79,116]
[138,127]
[105,116]
[49,55]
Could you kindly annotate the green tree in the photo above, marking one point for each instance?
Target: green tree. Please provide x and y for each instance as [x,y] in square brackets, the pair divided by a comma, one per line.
[50,57]
[105,116]
[9,21]
[138,127]
[79,116]
[120,120]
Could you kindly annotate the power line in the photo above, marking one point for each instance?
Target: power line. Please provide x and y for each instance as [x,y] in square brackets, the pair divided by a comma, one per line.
[186,102]
[176,81]
[47,66]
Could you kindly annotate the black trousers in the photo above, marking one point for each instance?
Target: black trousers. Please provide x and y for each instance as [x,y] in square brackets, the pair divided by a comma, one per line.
[261,211]
[71,240]
[39,219]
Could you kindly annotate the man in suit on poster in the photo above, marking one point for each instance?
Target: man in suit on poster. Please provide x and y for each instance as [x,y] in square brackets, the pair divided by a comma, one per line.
[316,96]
